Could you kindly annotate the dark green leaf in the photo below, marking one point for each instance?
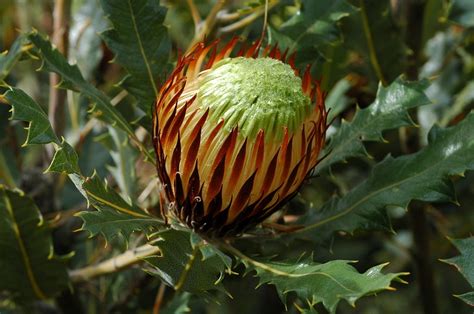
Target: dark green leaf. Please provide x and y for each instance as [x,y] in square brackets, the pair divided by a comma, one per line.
[140,43]
[183,266]
[421,176]
[326,283]
[178,305]
[464,263]
[389,111]
[54,61]
[314,26]
[102,197]
[114,218]
[9,58]
[374,35]
[65,160]
[26,109]
[462,12]
[115,215]
[467,297]
[114,224]
[28,267]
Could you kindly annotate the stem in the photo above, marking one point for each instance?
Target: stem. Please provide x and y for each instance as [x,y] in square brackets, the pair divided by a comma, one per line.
[124,260]
[187,268]
[248,19]
[419,222]
[60,38]
[414,31]
[159,299]
[209,23]
[370,44]
[194,14]
[423,258]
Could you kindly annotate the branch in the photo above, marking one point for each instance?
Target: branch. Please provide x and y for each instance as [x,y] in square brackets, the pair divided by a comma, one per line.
[194,14]
[60,38]
[248,19]
[206,27]
[124,260]
[159,299]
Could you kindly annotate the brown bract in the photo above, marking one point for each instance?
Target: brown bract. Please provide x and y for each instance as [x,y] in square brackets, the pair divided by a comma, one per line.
[219,182]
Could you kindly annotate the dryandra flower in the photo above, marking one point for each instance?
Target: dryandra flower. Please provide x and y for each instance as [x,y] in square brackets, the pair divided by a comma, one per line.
[235,136]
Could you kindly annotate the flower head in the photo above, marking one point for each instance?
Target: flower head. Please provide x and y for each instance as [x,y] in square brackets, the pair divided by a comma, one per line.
[235,136]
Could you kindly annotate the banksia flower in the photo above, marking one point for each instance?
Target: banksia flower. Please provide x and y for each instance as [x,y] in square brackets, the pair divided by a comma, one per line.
[235,136]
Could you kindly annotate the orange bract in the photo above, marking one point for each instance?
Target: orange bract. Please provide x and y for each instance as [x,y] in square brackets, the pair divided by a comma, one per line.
[217,181]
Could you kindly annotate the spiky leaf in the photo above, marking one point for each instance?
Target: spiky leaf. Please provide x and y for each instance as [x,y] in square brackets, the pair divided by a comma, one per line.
[28,267]
[113,209]
[65,160]
[327,283]
[465,265]
[178,305]
[101,196]
[26,109]
[9,58]
[140,43]
[314,26]
[389,111]
[54,61]
[114,224]
[183,266]
[421,176]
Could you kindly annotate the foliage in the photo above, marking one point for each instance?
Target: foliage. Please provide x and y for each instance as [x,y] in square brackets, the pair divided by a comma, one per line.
[29,269]
[327,283]
[393,143]
[464,263]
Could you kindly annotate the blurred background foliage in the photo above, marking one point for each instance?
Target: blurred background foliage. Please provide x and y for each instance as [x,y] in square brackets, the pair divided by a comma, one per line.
[352,44]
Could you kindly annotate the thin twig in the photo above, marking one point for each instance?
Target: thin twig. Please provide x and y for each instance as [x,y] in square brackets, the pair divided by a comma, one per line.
[114,264]
[249,19]
[208,25]
[228,17]
[159,299]
[195,14]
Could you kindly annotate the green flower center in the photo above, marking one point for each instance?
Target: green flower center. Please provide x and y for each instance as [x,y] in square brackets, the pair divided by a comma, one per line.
[254,94]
